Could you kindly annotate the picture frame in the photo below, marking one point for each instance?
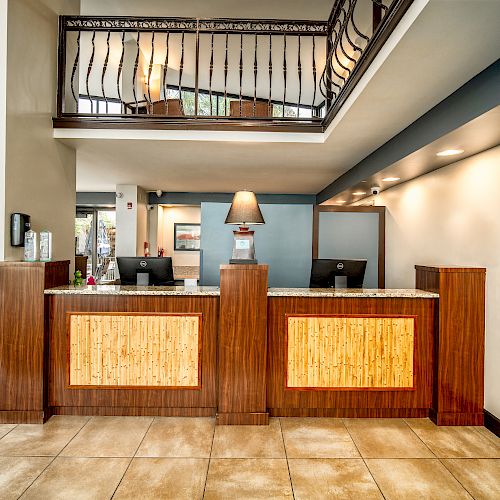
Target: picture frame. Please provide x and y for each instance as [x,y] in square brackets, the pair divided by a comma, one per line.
[187,237]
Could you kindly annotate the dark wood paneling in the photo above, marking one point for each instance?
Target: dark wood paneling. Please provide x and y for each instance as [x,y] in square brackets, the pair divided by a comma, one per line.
[23,338]
[459,370]
[126,411]
[62,396]
[381,232]
[279,397]
[350,412]
[242,339]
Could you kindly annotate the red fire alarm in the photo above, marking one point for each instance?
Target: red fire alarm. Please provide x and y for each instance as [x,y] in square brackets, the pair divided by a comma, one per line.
[129,205]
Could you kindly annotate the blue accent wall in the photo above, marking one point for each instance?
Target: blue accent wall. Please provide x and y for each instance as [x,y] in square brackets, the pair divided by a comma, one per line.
[284,242]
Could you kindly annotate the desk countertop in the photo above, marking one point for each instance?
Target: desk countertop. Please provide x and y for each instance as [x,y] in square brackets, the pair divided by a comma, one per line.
[215,291]
[407,293]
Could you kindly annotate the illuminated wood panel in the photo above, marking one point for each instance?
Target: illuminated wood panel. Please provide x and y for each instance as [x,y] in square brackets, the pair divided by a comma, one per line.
[350,352]
[136,350]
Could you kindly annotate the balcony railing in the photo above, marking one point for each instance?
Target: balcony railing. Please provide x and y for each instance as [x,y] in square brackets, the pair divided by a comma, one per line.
[171,71]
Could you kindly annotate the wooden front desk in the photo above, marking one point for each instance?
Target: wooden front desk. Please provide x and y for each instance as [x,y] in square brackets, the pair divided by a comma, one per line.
[244,352]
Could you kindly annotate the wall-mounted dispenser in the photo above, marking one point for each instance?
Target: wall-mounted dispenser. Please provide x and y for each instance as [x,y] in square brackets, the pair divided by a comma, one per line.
[19,225]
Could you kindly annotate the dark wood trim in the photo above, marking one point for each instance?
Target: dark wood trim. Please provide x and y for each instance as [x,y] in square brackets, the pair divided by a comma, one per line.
[381,232]
[130,387]
[22,417]
[133,411]
[151,122]
[350,412]
[492,423]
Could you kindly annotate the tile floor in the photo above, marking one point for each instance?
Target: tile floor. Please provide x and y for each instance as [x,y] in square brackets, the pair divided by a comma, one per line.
[189,458]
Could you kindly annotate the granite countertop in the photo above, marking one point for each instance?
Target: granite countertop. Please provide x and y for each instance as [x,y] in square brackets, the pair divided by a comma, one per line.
[133,290]
[407,293]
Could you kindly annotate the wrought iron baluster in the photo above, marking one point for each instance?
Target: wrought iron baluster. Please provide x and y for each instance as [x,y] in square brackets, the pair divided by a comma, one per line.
[104,69]
[120,69]
[165,72]
[241,69]
[225,77]
[197,69]
[314,73]
[270,73]
[358,32]
[181,68]
[136,65]
[89,70]
[299,69]
[284,75]
[75,67]
[255,70]
[211,73]
[150,70]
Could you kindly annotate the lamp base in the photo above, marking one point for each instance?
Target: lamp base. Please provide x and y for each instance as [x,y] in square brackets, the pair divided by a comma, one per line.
[243,261]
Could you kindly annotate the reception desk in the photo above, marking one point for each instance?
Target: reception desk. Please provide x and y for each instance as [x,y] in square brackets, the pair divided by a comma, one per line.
[244,352]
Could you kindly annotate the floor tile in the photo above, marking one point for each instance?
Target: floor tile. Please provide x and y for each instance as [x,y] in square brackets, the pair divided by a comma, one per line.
[178,437]
[5,429]
[78,479]
[41,439]
[249,441]
[480,477]
[487,433]
[332,478]
[409,479]
[164,478]
[17,473]
[385,438]
[109,437]
[317,438]
[454,441]
[248,478]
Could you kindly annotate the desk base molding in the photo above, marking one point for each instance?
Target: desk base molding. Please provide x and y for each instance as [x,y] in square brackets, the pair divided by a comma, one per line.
[350,412]
[448,418]
[242,418]
[23,417]
[131,411]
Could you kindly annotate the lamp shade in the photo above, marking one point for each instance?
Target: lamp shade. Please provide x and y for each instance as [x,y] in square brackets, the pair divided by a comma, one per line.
[244,210]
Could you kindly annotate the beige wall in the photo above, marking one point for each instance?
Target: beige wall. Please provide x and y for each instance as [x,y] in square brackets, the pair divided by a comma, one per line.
[39,171]
[451,216]
[3,113]
[166,217]
[286,9]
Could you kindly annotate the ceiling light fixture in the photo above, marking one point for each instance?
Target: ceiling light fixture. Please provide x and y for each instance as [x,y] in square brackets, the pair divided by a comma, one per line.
[341,201]
[391,179]
[359,193]
[450,152]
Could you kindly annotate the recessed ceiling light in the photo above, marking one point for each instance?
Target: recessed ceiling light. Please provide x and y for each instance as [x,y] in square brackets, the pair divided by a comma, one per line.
[450,152]
[341,201]
[358,193]
[391,179]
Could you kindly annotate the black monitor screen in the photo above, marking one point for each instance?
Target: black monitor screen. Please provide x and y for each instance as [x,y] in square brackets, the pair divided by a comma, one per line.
[153,271]
[324,271]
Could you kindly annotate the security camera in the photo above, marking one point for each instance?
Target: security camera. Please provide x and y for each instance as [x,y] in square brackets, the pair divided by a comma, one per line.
[375,190]
[159,192]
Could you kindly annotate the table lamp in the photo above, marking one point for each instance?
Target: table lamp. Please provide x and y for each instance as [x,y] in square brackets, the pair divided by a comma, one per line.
[243,212]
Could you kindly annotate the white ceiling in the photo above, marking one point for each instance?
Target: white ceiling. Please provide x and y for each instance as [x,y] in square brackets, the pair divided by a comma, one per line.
[449,43]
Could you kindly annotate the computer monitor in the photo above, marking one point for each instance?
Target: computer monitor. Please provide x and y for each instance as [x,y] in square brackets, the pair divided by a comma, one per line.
[152,271]
[324,271]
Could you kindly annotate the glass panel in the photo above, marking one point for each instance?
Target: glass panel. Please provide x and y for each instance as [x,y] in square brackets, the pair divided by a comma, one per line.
[84,238]
[106,235]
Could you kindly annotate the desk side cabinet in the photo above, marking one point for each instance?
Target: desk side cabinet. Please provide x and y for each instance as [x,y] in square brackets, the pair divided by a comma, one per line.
[24,336]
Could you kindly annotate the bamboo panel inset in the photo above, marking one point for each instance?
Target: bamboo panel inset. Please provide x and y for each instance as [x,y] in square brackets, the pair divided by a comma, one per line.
[350,352]
[134,350]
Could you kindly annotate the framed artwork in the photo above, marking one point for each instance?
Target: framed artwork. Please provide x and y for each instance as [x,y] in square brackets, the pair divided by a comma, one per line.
[187,237]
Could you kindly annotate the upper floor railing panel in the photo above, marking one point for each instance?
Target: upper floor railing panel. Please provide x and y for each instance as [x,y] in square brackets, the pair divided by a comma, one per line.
[173,70]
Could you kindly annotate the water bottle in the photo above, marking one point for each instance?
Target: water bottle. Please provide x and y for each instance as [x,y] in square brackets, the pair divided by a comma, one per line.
[45,246]
[30,246]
